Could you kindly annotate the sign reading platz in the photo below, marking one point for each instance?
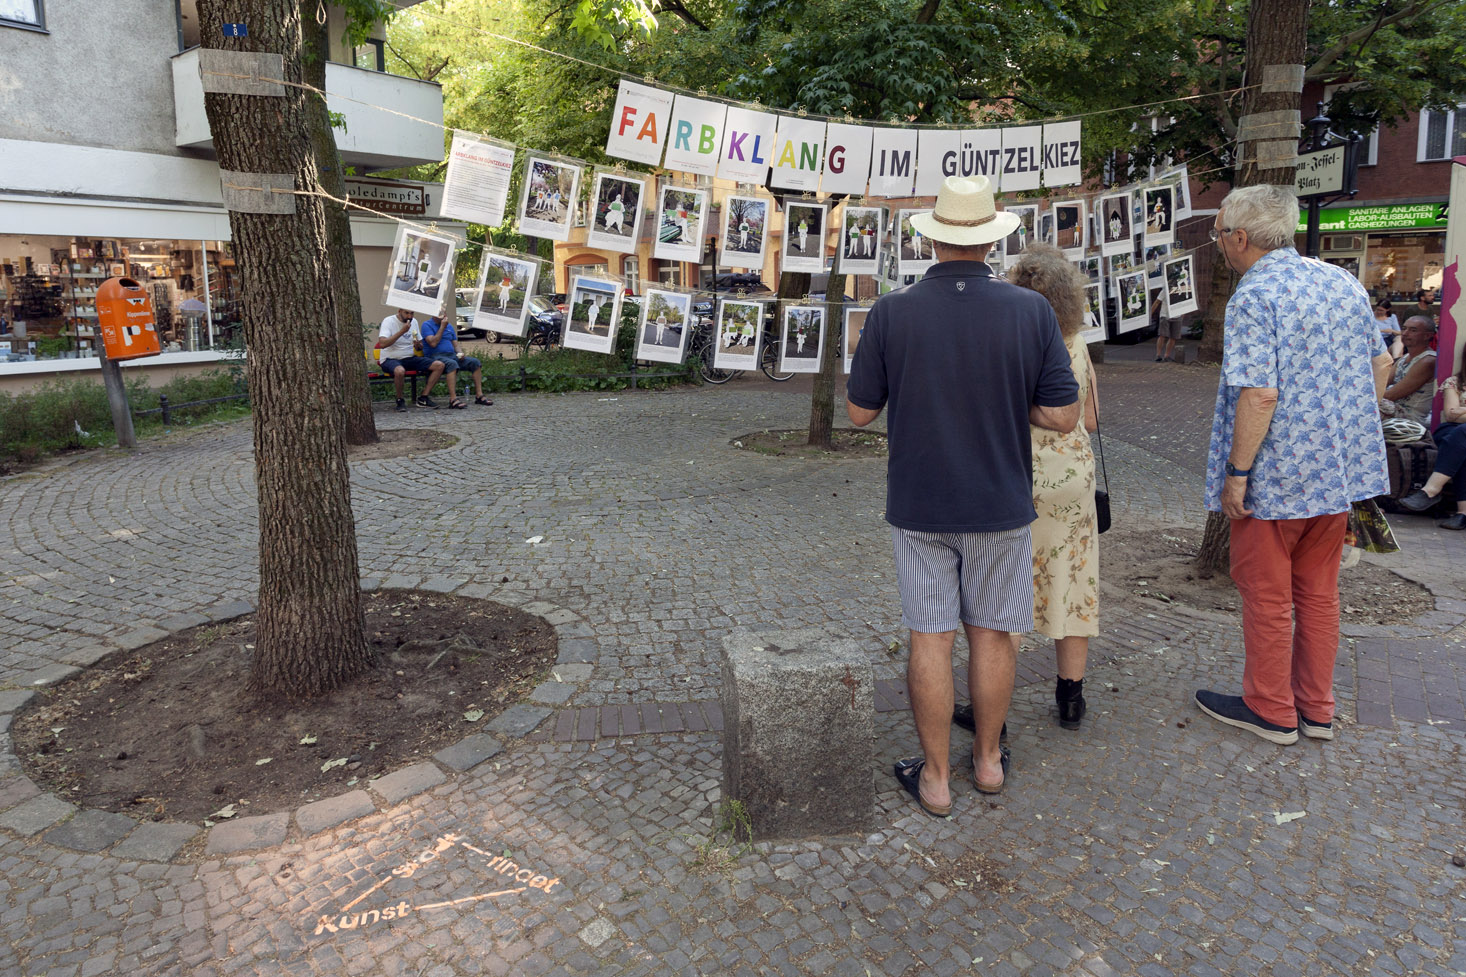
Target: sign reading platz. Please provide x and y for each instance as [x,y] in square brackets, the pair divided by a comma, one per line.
[1320,172]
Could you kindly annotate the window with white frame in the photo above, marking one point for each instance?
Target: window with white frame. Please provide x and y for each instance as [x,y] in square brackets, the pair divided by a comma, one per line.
[631,271]
[23,13]
[1442,134]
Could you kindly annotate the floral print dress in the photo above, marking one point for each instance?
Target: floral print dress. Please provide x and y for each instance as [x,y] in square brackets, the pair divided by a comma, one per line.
[1065,544]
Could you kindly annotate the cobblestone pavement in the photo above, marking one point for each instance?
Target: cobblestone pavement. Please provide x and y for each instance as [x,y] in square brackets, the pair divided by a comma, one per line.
[1151,842]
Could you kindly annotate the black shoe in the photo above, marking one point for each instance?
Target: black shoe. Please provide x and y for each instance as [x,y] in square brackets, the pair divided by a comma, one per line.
[425,401]
[1313,730]
[401,405]
[1160,359]
[1069,696]
[962,716]
[1416,501]
[1230,709]
[1456,520]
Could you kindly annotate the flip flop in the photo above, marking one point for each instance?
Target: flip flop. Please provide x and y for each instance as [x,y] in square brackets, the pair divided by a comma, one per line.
[982,788]
[908,775]
[457,404]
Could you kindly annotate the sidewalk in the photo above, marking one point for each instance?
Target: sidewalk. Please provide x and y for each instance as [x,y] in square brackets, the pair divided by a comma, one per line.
[1151,842]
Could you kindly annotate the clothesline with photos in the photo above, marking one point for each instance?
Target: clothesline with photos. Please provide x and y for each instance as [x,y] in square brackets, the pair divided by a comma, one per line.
[813,155]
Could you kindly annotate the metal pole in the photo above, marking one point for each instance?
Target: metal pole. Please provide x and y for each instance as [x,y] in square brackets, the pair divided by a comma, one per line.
[163,405]
[1311,248]
[117,400]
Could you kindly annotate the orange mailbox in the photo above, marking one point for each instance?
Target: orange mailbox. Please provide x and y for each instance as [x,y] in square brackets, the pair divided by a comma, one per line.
[125,314]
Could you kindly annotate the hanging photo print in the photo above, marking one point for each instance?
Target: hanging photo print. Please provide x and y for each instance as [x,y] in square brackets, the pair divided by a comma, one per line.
[854,326]
[745,232]
[1071,228]
[914,254]
[615,220]
[1022,235]
[548,202]
[1179,181]
[860,240]
[1094,314]
[802,340]
[1180,287]
[804,237]
[1159,208]
[1154,258]
[1091,268]
[476,187]
[662,332]
[740,330]
[421,271]
[1121,263]
[681,212]
[1046,226]
[505,284]
[1131,289]
[1114,217]
[594,313]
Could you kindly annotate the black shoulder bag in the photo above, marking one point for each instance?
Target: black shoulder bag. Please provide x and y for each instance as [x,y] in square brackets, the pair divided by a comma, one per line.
[1101,495]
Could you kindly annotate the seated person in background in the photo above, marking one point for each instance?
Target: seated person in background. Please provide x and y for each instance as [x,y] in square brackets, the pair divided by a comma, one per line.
[440,341]
[399,339]
[1450,459]
[1412,385]
[1389,327]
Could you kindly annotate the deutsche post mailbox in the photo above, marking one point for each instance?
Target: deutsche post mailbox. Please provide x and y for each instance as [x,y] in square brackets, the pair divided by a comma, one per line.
[125,313]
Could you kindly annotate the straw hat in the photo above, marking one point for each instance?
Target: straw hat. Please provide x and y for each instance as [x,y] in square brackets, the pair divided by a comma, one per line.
[966,214]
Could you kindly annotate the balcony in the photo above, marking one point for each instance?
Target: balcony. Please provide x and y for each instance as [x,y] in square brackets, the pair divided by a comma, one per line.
[372,139]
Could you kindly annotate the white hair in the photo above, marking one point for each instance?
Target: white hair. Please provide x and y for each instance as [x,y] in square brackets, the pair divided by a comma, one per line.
[1269,215]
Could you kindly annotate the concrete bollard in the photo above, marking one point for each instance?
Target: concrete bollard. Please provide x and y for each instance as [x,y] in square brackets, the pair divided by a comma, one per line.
[798,732]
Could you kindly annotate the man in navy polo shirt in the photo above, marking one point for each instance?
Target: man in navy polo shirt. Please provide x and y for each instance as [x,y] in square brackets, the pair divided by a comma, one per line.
[964,362]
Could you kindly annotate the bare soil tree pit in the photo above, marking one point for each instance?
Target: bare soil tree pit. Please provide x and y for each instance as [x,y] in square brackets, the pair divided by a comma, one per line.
[844,443]
[1159,564]
[401,443]
[168,733]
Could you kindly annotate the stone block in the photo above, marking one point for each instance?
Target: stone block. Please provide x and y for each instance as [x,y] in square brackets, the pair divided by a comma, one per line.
[440,584]
[402,784]
[562,616]
[15,790]
[469,752]
[244,834]
[577,672]
[539,608]
[799,732]
[552,693]
[320,815]
[230,610]
[577,651]
[155,842]
[182,622]
[518,720]
[478,591]
[50,675]
[12,699]
[369,584]
[137,638]
[91,830]
[35,815]
[86,655]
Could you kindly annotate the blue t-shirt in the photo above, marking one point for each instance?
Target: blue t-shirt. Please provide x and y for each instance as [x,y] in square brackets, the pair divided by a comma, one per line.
[957,359]
[444,343]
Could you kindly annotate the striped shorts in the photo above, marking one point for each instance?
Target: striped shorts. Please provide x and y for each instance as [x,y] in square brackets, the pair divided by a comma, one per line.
[980,579]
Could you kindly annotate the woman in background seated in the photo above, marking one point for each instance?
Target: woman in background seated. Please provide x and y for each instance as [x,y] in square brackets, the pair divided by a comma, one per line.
[1450,459]
[1389,327]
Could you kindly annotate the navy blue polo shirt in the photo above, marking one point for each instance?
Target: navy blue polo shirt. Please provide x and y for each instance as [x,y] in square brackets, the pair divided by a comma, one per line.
[957,359]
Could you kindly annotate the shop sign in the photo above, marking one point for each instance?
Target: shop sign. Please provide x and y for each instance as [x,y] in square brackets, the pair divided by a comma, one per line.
[1395,217]
[388,197]
[1320,172]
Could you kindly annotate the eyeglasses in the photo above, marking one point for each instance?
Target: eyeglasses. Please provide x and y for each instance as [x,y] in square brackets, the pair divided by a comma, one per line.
[1217,232]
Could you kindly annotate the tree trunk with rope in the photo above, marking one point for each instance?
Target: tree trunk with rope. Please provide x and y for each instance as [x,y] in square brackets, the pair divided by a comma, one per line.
[822,403]
[311,635]
[361,426]
[1271,123]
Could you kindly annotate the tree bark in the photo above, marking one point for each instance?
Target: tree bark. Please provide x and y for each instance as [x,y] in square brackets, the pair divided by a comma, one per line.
[311,635]
[361,426]
[1276,35]
[822,402]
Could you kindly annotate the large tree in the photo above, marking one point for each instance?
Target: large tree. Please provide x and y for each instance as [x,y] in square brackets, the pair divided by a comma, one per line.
[309,618]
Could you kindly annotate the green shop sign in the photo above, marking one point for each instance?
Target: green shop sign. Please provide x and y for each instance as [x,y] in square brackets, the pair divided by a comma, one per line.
[1393,218]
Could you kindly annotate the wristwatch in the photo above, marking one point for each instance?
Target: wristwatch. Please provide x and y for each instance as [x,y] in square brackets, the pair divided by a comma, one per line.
[1240,472]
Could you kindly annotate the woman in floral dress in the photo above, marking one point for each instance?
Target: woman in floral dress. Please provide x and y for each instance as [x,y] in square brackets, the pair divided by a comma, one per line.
[1065,540]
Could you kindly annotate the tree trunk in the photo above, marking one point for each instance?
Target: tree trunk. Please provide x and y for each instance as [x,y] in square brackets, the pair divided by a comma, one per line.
[1276,35]
[361,426]
[1223,280]
[822,402]
[309,620]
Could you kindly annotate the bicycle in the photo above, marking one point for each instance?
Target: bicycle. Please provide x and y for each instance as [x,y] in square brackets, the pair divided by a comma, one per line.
[768,360]
[704,347]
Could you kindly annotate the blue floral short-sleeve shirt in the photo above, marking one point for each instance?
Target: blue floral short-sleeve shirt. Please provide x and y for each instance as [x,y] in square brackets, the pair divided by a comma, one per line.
[1305,328]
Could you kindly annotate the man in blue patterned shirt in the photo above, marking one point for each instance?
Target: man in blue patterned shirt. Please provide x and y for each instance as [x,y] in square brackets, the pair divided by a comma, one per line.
[1296,439]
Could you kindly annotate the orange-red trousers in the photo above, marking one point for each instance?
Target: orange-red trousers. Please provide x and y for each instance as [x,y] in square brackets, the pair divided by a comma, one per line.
[1287,571]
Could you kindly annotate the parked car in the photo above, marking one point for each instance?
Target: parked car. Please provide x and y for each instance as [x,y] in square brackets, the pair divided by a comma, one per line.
[542,312]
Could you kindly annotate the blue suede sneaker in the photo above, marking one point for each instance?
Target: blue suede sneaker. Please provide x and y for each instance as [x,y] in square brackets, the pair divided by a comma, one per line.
[1230,709]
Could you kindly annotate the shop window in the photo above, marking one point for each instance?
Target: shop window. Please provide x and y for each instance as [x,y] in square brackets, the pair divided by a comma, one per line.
[1442,135]
[29,14]
[670,274]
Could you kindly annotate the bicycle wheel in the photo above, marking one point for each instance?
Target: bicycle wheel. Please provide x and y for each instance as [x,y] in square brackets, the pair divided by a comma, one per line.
[769,363]
[709,372]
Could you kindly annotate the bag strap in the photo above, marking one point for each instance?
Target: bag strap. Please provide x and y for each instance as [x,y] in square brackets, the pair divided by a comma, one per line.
[1099,440]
